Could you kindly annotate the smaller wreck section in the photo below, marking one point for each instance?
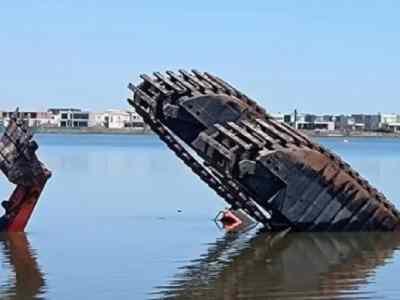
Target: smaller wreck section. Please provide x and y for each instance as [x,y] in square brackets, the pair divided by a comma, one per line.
[22,167]
[265,168]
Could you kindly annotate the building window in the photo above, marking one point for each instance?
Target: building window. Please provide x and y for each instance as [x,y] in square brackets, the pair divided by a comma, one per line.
[81,116]
[64,116]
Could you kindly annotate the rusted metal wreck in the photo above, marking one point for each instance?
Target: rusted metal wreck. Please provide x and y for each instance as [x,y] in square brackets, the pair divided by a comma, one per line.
[21,166]
[274,173]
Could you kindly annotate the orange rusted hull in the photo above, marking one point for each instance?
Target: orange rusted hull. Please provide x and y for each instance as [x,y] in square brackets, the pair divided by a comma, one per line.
[23,200]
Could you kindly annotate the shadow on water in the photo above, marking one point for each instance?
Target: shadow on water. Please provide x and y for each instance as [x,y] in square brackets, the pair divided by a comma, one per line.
[284,266]
[26,281]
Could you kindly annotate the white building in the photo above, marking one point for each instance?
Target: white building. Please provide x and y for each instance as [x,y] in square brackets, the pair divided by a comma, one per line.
[70,117]
[116,119]
[96,119]
[283,118]
[390,119]
[395,127]
[316,125]
[44,119]
[136,120]
[34,119]
[390,122]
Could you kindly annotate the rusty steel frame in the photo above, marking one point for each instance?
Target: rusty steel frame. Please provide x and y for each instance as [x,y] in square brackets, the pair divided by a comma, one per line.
[22,167]
[271,171]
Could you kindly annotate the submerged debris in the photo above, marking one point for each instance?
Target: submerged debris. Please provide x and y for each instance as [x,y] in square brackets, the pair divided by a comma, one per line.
[274,173]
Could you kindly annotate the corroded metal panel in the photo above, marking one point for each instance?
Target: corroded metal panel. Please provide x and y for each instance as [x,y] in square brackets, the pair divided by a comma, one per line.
[276,174]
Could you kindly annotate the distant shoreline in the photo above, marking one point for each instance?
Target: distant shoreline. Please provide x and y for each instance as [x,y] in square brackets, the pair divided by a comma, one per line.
[352,134]
[93,130]
[143,131]
[146,131]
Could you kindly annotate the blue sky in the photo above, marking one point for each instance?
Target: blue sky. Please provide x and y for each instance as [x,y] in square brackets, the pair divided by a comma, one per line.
[318,56]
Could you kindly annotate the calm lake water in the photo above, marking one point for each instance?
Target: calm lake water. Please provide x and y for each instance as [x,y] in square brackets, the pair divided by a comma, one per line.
[122,218]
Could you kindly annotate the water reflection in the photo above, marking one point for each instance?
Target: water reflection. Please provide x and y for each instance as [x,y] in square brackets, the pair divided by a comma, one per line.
[26,281]
[284,266]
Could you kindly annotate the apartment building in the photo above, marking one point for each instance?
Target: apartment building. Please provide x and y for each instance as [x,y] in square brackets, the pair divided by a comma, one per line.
[70,117]
[33,119]
[116,119]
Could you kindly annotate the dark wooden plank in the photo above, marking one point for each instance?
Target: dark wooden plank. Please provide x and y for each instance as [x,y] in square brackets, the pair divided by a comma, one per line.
[155,84]
[296,137]
[244,134]
[233,137]
[193,80]
[259,132]
[215,86]
[226,88]
[168,82]
[216,145]
[190,87]
[271,130]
